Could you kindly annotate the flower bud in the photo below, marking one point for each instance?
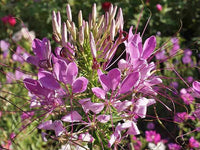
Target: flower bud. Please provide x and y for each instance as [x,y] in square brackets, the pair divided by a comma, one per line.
[112,30]
[159,7]
[69,13]
[86,30]
[100,21]
[81,35]
[80,18]
[93,46]
[120,20]
[56,22]
[73,31]
[64,34]
[112,15]
[94,13]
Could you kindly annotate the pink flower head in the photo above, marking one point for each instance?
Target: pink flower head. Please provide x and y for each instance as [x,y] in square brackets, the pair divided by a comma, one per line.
[137,144]
[187,98]
[173,146]
[159,7]
[152,136]
[9,20]
[193,143]
[181,117]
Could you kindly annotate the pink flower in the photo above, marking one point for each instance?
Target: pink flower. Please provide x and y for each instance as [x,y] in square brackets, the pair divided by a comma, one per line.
[137,143]
[174,146]
[187,98]
[183,116]
[9,19]
[193,143]
[159,7]
[152,136]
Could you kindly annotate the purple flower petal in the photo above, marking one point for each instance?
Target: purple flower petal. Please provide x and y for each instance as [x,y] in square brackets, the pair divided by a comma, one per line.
[86,137]
[33,60]
[34,87]
[60,70]
[79,85]
[46,125]
[72,117]
[115,77]
[105,82]
[130,81]
[100,93]
[47,80]
[85,104]
[196,86]
[149,47]
[96,107]
[103,118]
[72,71]
[121,106]
[133,130]
[42,48]
[58,127]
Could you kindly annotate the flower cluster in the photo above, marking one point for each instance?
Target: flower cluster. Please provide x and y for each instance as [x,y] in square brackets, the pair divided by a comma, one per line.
[79,92]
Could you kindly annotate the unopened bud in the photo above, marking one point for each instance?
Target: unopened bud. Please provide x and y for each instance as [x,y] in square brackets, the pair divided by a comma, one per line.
[81,35]
[68,24]
[106,22]
[64,34]
[112,15]
[55,37]
[111,9]
[73,31]
[86,30]
[94,13]
[80,19]
[56,20]
[120,20]
[90,21]
[69,13]
[112,30]
[100,21]
[93,46]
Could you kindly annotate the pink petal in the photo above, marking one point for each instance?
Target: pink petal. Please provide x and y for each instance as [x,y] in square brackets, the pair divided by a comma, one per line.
[133,130]
[60,70]
[86,137]
[100,93]
[115,77]
[129,82]
[34,87]
[96,107]
[72,71]
[74,116]
[103,118]
[46,125]
[149,46]
[196,86]
[47,80]
[105,82]
[58,127]
[79,85]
